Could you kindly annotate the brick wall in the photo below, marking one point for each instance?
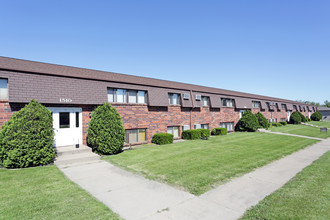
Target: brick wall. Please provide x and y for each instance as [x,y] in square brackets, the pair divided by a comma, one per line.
[156,119]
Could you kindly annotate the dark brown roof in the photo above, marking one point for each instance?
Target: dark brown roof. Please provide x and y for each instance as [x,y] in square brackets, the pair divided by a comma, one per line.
[13,64]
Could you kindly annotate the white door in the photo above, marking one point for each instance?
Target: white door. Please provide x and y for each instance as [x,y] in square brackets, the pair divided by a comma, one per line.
[289,114]
[67,123]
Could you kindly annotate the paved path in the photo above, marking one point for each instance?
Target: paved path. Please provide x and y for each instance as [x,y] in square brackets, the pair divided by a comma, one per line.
[134,197]
[295,135]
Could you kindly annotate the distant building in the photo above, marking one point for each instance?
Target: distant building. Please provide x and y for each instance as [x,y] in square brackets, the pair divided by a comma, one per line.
[325,111]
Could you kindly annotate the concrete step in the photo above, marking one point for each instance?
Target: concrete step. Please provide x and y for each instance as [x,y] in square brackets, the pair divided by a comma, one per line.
[81,157]
[67,150]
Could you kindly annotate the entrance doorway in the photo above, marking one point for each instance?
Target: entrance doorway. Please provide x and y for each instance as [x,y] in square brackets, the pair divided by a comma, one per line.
[67,123]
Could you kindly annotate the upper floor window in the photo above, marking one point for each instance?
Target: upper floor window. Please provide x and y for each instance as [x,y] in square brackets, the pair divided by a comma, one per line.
[174,99]
[295,107]
[227,102]
[205,101]
[283,106]
[3,88]
[124,96]
[255,104]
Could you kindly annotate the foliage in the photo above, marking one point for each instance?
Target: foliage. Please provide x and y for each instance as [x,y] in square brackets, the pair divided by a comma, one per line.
[295,118]
[283,122]
[191,134]
[316,116]
[262,120]
[27,139]
[219,131]
[276,124]
[106,134]
[248,122]
[205,133]
[162,138]
[303,118]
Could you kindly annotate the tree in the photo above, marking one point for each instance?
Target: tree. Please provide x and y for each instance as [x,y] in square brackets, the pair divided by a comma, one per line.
[262,120]
[27,139]
[105,133]
[316,116]
[295,118]
[248,122]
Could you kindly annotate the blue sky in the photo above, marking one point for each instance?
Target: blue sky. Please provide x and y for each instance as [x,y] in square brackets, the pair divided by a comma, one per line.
[273,48]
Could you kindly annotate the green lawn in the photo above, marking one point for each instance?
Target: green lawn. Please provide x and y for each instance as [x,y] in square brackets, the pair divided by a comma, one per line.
[197,166]
[45,193]
[320,123]
[301,130]
[306,196]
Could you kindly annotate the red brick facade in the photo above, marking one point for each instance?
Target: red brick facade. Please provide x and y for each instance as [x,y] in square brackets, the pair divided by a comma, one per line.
[157,119]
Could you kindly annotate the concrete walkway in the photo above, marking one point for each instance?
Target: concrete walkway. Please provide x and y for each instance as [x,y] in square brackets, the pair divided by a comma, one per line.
[287,134]
[134,197]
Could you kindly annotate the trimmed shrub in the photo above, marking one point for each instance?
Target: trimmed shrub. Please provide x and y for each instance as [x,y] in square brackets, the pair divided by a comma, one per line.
[106,134]
[263,122]
[316,116]
[191,134]
[248,122]
[162,138]
[275,124]
[205,133]
[27,139]
[295,118]
[303,118]
[283,123]
[219,131]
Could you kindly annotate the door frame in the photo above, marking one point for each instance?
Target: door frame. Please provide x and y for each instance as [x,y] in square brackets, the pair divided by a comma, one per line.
[69,109]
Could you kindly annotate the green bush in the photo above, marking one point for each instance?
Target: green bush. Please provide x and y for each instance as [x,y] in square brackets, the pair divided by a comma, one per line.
[275,124]
[191,134]
[283,123]
[316,116]
[162,138]
[205,133]
[295,118]
[105,133]
[262,120]
[219,131]
[248,122]
[27,139]
[303,118]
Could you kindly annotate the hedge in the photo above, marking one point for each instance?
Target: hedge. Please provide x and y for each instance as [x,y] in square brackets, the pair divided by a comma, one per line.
[283,123]
[205,133]
[219,131]
[295,118]
[248,122]
[162,138]
[263,122]
[316,116]
[27,139]
[105,133]
[191,134]
[276,124]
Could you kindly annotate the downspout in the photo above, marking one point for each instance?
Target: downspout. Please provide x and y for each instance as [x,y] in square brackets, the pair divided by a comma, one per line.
[193,104]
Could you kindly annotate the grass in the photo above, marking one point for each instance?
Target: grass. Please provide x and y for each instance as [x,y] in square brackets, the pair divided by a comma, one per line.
[45,193]
[306,196]
[325,124]
[304,130]
[197,166]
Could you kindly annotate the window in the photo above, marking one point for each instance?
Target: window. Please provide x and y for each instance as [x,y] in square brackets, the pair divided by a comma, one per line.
[255,104]
[283,119]
[3,89]
[295,107]
[197,126]
[185,127]
[228,125]
[136,135]
[122,95]
[173,99]
[175,130]
[205,126]
[227,102]
[283,106]
[272,120]
[77,119]
[64,119]
[241,112]
[205,101]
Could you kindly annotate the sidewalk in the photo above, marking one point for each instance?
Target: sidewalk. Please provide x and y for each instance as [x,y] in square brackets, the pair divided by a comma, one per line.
[134,197]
